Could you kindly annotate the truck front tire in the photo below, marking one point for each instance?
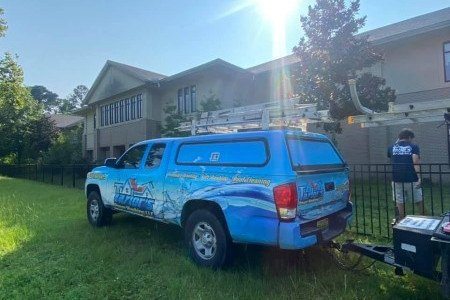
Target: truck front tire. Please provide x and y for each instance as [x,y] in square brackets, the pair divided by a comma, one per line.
[97,214]
[207,240]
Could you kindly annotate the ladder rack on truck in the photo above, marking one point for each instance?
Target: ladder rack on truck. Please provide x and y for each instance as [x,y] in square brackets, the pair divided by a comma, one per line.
[286,113]
[403,114]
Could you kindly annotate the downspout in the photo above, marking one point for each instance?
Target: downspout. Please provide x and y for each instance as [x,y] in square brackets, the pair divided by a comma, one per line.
[354,95]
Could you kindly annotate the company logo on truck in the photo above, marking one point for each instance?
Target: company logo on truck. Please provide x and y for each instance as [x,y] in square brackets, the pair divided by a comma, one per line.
[133,196]
[312,191]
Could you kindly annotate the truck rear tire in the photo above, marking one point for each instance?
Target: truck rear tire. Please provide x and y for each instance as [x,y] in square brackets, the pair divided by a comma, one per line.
[98,215]
[207,240]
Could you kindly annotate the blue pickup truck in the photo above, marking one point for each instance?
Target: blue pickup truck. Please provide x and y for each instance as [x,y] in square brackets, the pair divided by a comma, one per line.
[283,188]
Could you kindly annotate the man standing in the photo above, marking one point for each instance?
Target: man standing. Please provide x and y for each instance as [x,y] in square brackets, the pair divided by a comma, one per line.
[406,184]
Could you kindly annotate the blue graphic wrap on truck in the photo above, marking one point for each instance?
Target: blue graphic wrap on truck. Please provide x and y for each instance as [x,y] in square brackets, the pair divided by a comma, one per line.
[238,172]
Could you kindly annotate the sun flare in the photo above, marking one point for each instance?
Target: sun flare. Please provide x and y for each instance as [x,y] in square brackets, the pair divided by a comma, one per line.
[276,11]
[274,14]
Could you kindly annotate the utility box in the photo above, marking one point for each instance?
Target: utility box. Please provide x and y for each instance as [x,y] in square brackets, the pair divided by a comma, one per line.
[413,247]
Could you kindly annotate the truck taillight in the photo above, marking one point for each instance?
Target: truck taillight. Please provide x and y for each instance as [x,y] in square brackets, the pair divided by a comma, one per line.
[286,200]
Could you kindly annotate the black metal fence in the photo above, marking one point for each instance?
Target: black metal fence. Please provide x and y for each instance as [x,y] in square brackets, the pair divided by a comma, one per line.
[371,188]
[65,175]
[375,196]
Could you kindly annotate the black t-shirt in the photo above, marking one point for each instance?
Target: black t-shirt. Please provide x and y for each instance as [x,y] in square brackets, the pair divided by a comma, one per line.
[402,162]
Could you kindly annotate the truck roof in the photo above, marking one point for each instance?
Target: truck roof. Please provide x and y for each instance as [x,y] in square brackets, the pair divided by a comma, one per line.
[237,135]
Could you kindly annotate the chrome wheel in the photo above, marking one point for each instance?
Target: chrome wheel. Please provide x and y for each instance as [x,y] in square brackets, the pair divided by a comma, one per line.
[94,210]
[204,240]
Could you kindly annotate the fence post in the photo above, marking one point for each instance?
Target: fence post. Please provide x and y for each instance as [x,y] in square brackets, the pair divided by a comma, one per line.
[73,176]
[356,198]
[386,202]
[62,175]
[52,174]
[36,172]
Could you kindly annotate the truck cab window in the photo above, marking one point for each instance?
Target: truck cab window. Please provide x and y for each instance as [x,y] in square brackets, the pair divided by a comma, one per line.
[132,158]
[154,156]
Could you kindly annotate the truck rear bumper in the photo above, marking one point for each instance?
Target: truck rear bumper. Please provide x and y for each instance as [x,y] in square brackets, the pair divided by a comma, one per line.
[293,235]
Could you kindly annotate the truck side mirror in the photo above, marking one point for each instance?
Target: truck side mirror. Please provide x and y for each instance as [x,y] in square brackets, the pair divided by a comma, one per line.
[111,162]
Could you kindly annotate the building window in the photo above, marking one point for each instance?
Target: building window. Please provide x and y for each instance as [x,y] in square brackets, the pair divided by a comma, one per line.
[116,112]
[111,114]
[133,108]
[447,61]
[106,115]
[139,106]
[180,101]
[187,101]
[121,111]
[193,98]
[102,116]
[127,109]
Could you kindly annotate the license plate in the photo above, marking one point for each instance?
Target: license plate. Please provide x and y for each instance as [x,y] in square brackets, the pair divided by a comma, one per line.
[322,224]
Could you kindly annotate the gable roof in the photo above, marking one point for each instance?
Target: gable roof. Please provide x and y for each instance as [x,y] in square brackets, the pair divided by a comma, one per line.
[213,63]
[137,73]
[410,27]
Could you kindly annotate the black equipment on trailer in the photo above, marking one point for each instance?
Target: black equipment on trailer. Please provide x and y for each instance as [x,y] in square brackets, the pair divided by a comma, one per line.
[420,245]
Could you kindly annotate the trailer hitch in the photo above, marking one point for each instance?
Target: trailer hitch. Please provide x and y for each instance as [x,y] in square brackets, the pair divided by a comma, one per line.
[341,254]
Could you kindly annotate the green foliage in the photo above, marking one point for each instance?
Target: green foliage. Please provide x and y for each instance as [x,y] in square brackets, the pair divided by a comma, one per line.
[174,118]
[17,108]
[47,98]
[3,26]
[74,100]
[38,138]
[67,148]
[25,132]
[331,53]
[210,103]
[172,121]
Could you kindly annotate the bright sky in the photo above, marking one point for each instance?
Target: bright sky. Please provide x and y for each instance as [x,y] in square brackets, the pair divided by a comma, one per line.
[61,44]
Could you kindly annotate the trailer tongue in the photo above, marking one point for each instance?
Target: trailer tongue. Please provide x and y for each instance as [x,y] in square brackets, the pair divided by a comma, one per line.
[420,244]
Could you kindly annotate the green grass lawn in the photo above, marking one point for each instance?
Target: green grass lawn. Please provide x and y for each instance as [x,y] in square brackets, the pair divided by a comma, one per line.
[48,250]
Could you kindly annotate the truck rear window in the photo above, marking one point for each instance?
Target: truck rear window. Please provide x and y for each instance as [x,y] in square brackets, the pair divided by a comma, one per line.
[313,154]
[224,153]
